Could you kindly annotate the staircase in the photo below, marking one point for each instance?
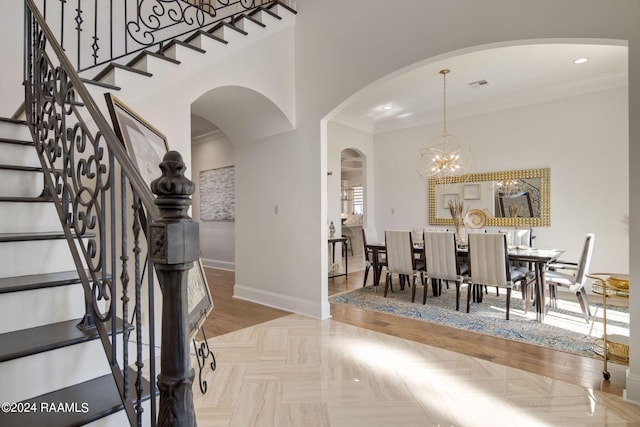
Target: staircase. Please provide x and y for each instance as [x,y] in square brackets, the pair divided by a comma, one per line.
[53,371]
[44,356]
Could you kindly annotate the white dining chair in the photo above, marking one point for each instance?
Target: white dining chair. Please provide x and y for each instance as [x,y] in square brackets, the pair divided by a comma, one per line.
[573,276]
[488,265]
[441,263]
[401,260]
[370,235]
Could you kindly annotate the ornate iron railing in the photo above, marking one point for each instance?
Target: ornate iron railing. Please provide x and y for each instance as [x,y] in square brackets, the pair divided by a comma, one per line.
[106,210]
[96,32]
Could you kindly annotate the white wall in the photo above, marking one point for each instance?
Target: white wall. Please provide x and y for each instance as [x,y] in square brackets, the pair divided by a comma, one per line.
[581,139]
[11,13]
[217,238]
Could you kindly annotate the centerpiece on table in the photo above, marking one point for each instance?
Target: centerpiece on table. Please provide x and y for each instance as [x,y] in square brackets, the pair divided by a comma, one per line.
[458,211]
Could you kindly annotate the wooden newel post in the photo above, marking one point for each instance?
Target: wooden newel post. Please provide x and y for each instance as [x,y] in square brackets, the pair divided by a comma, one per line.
[174,245]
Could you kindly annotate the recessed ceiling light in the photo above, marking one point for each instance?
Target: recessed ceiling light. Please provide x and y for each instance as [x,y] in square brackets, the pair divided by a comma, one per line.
[386,107]
[580,60]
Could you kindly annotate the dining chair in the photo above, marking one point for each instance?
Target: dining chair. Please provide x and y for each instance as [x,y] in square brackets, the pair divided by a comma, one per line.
[488,265]
[401,260]
[573,276]
[441,263]
[370,235]
[522,273]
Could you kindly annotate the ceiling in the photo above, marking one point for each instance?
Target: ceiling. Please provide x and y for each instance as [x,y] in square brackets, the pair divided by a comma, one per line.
[514,75]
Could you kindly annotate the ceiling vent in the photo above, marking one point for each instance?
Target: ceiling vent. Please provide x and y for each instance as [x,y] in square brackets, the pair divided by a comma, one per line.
[478,83]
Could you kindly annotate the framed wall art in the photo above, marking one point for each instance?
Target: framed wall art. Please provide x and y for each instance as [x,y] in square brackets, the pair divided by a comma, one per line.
[471,192]
[199,301]
[145,144]
[217,194]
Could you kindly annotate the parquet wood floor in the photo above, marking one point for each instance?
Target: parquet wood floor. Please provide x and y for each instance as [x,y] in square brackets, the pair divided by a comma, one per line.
[231,314]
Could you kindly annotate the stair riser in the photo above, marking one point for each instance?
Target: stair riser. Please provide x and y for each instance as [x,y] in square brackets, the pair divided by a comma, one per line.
[41,373]
[17,154]
[35,257]
[28,217]
[38,307]
[15,131]
[21,184]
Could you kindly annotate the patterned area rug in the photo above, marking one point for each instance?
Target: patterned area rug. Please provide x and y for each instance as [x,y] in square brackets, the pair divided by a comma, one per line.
[564,327]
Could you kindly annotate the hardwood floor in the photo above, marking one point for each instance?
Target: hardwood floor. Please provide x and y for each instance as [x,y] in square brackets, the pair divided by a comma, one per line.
[231,314]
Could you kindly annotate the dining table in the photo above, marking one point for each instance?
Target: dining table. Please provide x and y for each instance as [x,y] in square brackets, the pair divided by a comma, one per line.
[538,257]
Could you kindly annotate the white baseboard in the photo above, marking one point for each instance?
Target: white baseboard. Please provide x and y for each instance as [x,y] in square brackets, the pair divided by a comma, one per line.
[631,394]
[221,265]
[282,302]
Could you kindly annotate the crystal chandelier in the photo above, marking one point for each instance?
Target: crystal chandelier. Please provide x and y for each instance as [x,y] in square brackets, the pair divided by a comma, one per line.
[445,157]
[511,188]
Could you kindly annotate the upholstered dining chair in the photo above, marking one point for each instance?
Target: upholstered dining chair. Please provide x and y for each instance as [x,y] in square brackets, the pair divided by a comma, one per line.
[401,260]
[442,263]
[522,273]
[488,265]
[370,235]
[573,276]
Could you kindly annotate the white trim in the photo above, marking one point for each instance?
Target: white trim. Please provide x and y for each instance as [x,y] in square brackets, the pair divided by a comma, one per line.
[353,121]
[220,265]
[283,302]
[631,394]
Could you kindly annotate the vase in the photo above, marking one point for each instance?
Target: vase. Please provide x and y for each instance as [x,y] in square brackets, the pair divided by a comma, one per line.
[461,235]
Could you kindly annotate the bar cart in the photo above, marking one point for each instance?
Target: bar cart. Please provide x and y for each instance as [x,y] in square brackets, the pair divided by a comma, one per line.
[614,347]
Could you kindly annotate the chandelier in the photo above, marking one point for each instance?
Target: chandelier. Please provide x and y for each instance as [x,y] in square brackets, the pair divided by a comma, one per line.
[445,157]
[511,188]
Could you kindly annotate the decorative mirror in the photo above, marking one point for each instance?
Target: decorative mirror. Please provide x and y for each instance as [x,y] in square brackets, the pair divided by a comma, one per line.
[517,198]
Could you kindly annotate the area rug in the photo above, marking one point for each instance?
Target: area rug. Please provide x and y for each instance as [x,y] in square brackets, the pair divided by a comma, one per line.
[564,328]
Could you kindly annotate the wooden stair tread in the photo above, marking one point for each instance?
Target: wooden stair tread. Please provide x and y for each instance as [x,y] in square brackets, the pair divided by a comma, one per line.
[27,342]
[21,199]
[248,17]
[205,34]
[16,141]
[145,53]
[183,44]
[282,5]
[38,281]
[10,120]
[21,168]
[98,396]
[43,235]
[265,10]
[227,25]
[100,84]
[112,66]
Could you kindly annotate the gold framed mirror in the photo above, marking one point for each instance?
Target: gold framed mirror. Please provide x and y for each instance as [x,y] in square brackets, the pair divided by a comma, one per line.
[517,198]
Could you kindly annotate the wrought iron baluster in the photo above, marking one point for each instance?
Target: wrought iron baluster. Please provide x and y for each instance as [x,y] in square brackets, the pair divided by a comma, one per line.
[137,210]
[144,24]
[124,279]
